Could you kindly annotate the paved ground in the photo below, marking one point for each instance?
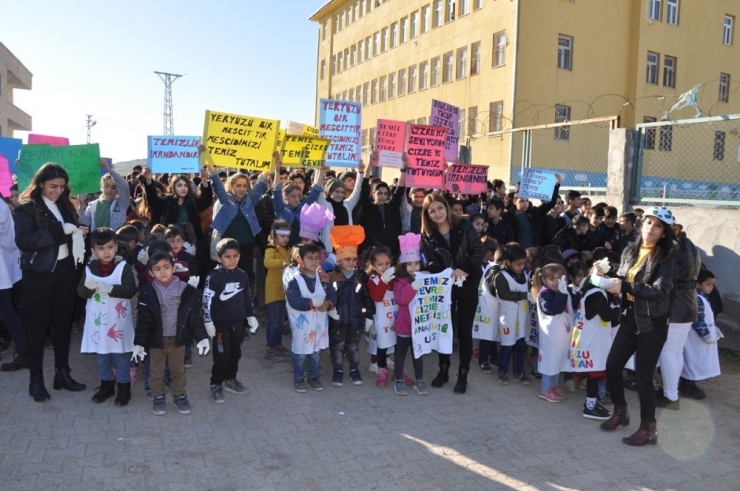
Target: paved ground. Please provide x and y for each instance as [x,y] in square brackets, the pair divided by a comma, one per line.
[363,437]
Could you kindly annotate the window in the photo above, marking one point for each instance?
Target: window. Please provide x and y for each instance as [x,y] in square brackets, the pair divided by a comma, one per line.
[669,71]
[413,76]
[341,20]
[394,34]
[651,75]
[415,24]
[671,14]
[461,67]
[360,51]
[464,7]
[358,13]
[448,66]
[372,137]
[383,88]
[461,123]
[366,94]
[477,4]
[724,87]
[364,138]
[358,93]
[425,12]
[450,11]
[349,15]
[376,44]
[401,82]
[436,69]
[384,39]
[649,133]
[475,58]
[335,25]
[351,96]
[496,117]
[437,14]
[324,30]
[473,120]
[404,30]
[499,49]
[565,52]
[654,9]
[666,138]
[368,45]
[374,91]
[423,75]
[392,86]
[727,30]
[340,61]
[562,114]
[421,120]
[719,145]
[344,96]
[322,71]
[346,59]
[353,56]
[333,64]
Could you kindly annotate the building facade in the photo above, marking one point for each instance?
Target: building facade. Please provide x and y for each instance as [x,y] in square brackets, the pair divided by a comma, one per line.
[13,75]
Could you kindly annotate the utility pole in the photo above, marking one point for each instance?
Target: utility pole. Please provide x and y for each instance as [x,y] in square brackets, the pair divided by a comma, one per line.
[89,123]
[168,78]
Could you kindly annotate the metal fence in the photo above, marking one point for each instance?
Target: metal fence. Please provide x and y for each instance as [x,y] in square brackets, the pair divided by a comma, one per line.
[693,162]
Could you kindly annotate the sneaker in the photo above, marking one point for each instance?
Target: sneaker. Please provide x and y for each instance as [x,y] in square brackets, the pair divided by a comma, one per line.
[273,354]
[406,378]
[598,412]
[337,378]
[663,402]
[300,386]
[159,406]
[570,385]
[373,368]
[188,361]
[390,363]
[559,391]
[503,379]
[523,379]
[550,395]
[217,392]
[400,387]
[688,388]
[382,381]
[236,387]
[605,401]
[476,353]
[485,367]
[315,384]
[181,403]
[421,387]
[283,350]
[583,383]
[354,375]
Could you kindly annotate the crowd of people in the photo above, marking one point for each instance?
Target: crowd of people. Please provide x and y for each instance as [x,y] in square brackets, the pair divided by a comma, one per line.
[156,266]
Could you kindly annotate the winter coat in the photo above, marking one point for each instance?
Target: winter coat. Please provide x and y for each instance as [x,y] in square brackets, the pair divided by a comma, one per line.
[688,264]
[535,214]
[404,294]
[189,319]
[39,240]
[226,208]
[354,304]
[467,256]
[166,209]
[10,271]
[377,230]
[118,207]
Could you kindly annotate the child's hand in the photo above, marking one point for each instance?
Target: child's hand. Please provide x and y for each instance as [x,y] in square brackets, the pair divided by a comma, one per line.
[416,284]
[323,307]
[253,324]
[139,353]
[368,324]
[388,275]
[193,281]
[210,329]
[204,346]
[180,268]
[334,314]
[103,287]
[709,339]
[562,285]
[90,283]
[531,298]
[143,256]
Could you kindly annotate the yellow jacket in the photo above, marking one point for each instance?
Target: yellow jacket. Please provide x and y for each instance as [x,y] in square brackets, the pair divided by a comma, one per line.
[275,257]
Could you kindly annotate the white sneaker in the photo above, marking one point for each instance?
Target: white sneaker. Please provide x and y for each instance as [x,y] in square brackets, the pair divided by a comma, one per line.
[373,367]
[390,363]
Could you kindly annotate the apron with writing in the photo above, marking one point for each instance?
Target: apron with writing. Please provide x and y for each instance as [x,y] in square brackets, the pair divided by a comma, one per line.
[309,329]
[485,324]
[513,316]
[700,359]
[590,340]
[554,341]
[382,333]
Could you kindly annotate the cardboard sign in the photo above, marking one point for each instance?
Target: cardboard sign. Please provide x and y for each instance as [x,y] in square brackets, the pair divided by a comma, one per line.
[54,141]
[10,148]
[241,142]
[447,116]
[537,184]
[466,179]
[390,140]
[340,122]
[80,161]
[302,129]
[304,151]
[425,148]
[431,319]
[6,178]
[173,154]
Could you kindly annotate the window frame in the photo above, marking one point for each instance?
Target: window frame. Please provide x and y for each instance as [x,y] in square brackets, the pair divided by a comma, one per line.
[425,19]
[562,115]
[672,10]
[423,75]
[496,117]
[392,85]
[665,139]
[394,35]
[499,49]
[475,58]
[720,141]
[724,88]
[448,67]
[383,88]
[413,72]
[403,33]
[437,14]
[728,30]
[655,70]
[655,7]
[670,75]
[649,133]
[402,82]
[449,13]
[435,72]
[461,63]
[414,24]
[565,54]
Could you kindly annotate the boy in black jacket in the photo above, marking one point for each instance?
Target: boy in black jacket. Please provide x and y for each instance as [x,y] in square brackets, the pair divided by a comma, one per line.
[169,317]
[227,307]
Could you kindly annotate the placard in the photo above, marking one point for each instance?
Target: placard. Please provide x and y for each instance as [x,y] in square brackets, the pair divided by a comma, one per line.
[431,316]
[340,122]
[537,184]
[304,151]
[390,139]
[241,142]
[466,179]
[173,154]
[6,178]
[447,116]
[54,141]
[425,150]
[82,163]
[302,129]
[10,148]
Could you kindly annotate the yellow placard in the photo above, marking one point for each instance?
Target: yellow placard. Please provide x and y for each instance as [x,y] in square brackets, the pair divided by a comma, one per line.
[280,140]
[302,129]
[304,151]
[241,142]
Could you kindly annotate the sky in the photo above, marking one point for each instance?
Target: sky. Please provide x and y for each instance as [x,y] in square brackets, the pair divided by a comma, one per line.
[249,57]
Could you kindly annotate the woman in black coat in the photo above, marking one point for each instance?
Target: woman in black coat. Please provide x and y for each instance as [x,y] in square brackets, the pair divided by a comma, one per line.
[450,242]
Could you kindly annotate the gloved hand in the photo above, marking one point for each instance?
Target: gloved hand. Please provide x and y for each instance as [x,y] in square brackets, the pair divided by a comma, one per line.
[253,324]
[600,281]
[180,268]
[368,324]
[193,281]
[709,339]
[531,297]
[204,346]
[143,256]
[460,280]
[189,248]
[103,287]
[69,228]
[603,265]
[90,283]
[139,352]
[719,333]
[416,284]
[562,285]
[388,275]
[210,329]
[334,314]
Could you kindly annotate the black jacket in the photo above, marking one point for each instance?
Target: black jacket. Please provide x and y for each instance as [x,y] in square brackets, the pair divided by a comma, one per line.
[378,230]
[39,240]
[126,289]
[189,319]
[567,238]
[535,214]
[550,227]
[688,264]
[166,209]
[354,304]
[227,299]
[465,252]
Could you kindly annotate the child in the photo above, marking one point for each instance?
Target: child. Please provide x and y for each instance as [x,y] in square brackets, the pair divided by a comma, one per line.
[497,228]
[169,317]
[554,319]
[404,291]
[381,336]
[276,255]
[577,275]
[485,325]
[186,267]
[478,223]
[142,262]
[130,235]
[309,299]
[354,309]
[227,306]
[511,291]
[108,283]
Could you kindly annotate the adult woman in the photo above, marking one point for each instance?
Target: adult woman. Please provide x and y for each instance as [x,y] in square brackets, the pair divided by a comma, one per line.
[646,282]
[450,242]
[110,209]
[333,199]
[10,276]
[381,211]
[44,224]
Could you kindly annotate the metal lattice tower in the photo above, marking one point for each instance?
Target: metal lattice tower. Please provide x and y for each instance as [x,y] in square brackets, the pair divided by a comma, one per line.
[168,78]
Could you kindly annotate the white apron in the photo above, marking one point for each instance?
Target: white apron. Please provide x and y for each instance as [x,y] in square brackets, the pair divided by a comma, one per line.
[533,328]
[309,329]
[109,322]
[554,346]
[513,316]
[590,340]
[382,335]
[700,359]
[485,324]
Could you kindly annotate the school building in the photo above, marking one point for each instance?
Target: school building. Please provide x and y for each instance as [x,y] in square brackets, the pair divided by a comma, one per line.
[13,75]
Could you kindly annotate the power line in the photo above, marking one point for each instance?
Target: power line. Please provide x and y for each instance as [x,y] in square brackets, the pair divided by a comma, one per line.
[168,78]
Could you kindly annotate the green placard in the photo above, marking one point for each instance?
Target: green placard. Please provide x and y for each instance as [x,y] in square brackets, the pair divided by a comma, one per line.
[80,161]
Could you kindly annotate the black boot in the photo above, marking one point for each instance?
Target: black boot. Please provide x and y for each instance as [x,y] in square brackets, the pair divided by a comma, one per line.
[63,380]
[106,390]
[124,394]
[442,377]
[36,388]
[462,381]
[646,433]
[18,363]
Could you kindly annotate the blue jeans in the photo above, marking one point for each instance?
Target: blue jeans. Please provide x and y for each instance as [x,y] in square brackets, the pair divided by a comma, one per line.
[549,381]
[504,357]
[122,362]
[313,366]
[276,315]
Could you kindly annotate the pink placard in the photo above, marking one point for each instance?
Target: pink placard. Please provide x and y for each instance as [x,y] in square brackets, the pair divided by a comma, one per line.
[54,141]
[6,178]
[389,143]
[425,147]
[466,179]
[447,116]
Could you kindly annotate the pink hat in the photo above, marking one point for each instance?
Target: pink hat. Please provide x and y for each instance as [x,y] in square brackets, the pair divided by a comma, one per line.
[313,220]
[410,247]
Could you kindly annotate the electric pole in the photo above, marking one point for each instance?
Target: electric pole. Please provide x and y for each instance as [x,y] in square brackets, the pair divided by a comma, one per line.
[89,123]
[168,78]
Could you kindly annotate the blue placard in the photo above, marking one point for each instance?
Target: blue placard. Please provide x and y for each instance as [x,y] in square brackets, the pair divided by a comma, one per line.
[173,154]
[340,121]
[10,148]
[537,184]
